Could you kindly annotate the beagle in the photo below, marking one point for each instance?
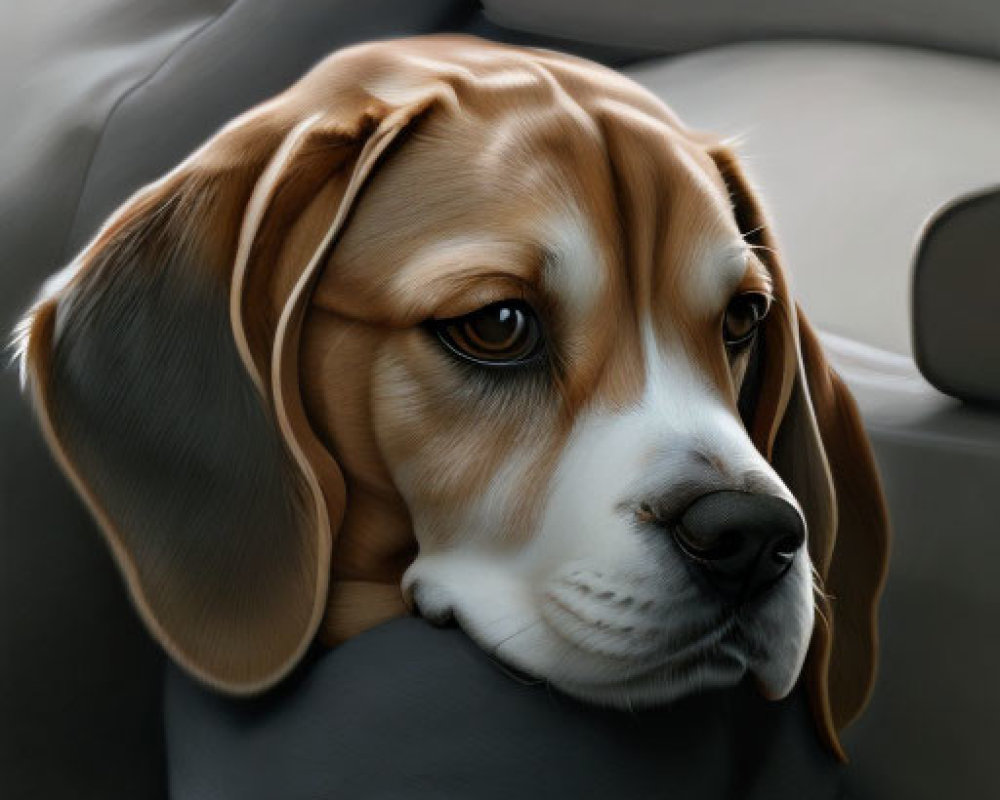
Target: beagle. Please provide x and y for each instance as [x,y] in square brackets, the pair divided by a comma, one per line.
[482,332]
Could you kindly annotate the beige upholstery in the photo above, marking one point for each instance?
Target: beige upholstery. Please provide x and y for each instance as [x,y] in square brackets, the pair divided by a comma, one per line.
[853,147]
[675,25]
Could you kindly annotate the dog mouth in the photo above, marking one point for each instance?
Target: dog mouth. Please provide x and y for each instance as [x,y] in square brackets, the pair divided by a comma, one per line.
[629,666]
[614,642]
[637,626]
[716,660]
[713,662]
[717,654]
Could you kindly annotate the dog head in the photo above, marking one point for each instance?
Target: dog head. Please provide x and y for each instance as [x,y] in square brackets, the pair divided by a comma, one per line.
[489,326]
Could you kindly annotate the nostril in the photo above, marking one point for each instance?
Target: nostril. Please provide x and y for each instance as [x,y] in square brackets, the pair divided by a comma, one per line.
[784,549]
[741,542]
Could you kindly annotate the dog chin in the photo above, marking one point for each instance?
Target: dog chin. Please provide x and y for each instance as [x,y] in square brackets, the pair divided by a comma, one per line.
[579,647]
[709,669]
[720,663]
[604,680]
[660,686]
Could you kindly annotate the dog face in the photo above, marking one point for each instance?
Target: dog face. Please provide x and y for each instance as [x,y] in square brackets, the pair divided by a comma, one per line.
[548,406]
[487,325]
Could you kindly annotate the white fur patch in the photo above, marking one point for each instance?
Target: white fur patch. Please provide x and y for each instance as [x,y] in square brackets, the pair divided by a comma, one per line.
[718,271]
[600,606]
[576,272]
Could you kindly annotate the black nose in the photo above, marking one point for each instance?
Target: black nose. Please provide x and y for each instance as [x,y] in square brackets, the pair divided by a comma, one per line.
[741,542]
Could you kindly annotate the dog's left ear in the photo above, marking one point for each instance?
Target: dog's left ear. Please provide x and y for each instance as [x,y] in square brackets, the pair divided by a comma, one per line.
[805,422]
[164,368]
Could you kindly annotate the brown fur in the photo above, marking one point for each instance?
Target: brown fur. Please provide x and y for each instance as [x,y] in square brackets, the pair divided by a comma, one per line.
[410,144]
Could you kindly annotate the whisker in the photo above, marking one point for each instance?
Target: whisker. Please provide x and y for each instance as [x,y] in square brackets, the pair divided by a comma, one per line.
[821,593]
[817,582]
[822,616]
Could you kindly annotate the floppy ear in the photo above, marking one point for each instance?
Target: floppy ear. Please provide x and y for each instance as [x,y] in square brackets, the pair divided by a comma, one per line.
[804,421]
[852,557]
[164,369]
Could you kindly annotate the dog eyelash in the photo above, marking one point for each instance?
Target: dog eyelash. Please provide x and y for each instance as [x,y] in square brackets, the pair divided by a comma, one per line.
[499,337]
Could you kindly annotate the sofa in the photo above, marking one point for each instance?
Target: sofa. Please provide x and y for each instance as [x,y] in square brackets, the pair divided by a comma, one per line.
[870,129]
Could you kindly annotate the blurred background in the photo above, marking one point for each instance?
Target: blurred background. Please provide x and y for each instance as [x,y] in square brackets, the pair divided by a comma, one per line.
[870,127]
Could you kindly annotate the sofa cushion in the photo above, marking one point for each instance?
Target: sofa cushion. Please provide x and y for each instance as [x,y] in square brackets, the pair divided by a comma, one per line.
[853,147]
[675,25]
[933,707]
[99,97]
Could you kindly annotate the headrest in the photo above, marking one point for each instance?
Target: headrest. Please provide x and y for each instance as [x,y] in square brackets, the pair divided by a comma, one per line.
[956,298]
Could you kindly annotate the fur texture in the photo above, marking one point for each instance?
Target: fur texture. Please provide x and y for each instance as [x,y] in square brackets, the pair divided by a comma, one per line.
[238,376]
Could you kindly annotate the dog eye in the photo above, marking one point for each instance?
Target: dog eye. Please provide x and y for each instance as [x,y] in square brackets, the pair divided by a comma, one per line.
[499,334]
[743,315]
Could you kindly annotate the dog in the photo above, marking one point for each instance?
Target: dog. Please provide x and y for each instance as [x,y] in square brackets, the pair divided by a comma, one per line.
[480,332]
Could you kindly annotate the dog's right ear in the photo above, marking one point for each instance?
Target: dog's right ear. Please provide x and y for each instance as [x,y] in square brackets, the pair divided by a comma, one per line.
[160,365]
[805,422]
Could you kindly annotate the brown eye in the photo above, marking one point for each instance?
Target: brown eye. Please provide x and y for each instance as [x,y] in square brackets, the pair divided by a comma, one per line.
[499,334]
[743,315]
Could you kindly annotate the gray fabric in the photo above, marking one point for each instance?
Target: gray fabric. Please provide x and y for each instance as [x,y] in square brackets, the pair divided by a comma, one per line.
[852,148]
[935,713]
[956,299]
[80,697]
[99,97]
[66,66]
[676,25]
[103,96]
[409,711]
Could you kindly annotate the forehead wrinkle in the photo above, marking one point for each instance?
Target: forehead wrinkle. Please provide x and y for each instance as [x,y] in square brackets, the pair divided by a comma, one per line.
[446,266]
[541,133]
[637,119]
[611,86]
[538,149]
[568,103]
[508,78]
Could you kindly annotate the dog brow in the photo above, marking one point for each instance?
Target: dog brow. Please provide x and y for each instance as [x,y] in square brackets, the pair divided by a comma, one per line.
[465,271]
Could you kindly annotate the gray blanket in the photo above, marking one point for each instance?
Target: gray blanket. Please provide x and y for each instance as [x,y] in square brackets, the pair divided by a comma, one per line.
[410,711]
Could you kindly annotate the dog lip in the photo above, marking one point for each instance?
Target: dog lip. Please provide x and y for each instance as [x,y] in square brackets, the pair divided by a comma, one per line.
[726,667]
[668,647]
